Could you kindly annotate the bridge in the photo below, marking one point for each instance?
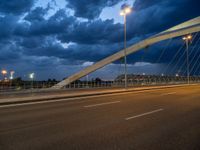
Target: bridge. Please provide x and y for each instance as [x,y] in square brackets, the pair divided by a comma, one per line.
[188,27]
[150,117]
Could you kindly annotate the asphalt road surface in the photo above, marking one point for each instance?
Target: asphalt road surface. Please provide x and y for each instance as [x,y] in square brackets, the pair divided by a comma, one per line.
[166,119]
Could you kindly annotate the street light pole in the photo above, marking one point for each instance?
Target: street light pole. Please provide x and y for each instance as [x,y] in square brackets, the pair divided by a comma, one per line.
[32,77]
[123,13]
[4,73]
[125,59]
[187,39]
[188,72]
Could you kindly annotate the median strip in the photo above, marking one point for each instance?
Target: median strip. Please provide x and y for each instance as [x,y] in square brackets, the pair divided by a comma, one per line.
[144,114]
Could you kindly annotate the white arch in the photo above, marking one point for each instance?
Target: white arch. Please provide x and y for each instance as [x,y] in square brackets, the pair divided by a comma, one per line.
[188,27]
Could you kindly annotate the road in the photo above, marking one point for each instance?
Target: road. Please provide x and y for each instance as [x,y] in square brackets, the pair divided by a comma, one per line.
[165,119]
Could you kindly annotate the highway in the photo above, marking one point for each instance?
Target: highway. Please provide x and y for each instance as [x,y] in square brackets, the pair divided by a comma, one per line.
[159,119]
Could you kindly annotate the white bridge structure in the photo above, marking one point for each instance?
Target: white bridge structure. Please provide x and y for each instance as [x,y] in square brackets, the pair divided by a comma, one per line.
[185,28]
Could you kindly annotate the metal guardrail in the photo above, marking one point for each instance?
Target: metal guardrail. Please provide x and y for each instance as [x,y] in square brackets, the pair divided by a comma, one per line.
[135,81]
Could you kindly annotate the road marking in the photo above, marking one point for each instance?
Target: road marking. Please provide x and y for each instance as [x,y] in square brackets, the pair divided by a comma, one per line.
[100,104]
[144,114]
[168,93]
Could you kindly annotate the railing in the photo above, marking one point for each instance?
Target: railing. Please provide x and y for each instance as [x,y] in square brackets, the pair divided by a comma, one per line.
[135,81]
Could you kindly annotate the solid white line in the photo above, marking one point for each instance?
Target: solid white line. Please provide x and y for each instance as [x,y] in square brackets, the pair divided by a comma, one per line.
[168,93]
[144,114]
[94,105]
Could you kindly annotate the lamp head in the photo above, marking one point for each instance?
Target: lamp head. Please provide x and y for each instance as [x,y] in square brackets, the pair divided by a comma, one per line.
[31,75]
[126,10]
[4,72]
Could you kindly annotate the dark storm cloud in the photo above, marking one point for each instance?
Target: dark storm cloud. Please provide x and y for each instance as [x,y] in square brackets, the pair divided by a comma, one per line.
[7,26]
[149,20]
[85,52]
[56,24]
[38,41]
[15,6]
[9,52]
[90,8]
[32,42]
[36,15]
[155,15]
[143,4]
[45,48]
[69,29]
[94,32]
[75,52]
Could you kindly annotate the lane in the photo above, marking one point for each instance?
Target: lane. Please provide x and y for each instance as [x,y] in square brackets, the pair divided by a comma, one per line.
[42,112]
[69,125]
[70,109]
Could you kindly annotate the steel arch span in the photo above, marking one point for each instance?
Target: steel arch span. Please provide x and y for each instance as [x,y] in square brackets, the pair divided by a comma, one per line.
[187,27]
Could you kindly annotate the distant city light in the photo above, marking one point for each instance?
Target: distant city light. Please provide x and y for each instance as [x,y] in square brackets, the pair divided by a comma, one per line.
[31,76]
[4,72]
[12,75]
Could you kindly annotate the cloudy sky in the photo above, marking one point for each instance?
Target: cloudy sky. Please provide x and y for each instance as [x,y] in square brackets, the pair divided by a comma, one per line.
[56,38]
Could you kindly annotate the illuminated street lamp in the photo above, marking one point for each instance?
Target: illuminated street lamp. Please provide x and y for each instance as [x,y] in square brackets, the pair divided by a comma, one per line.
[12,75]
[187,39]
[31,76]
[4,73]
[125,11]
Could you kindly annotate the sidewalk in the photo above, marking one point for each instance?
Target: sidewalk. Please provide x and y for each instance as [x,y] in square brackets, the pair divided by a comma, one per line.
[34,97]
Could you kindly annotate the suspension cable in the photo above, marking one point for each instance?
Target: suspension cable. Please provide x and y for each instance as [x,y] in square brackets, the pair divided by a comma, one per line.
[180,58]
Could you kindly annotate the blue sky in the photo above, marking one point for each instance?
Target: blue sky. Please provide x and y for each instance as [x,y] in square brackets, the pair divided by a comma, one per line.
[56,38]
